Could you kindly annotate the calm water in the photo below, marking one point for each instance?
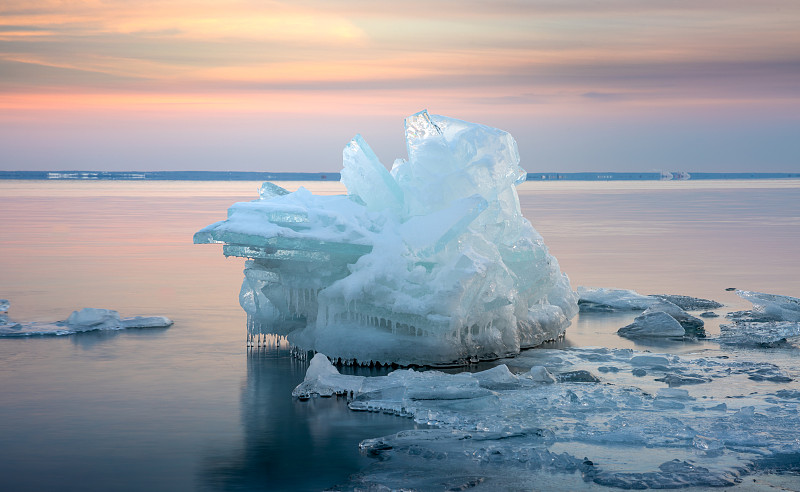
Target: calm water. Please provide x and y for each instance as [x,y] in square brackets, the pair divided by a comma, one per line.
[190,408]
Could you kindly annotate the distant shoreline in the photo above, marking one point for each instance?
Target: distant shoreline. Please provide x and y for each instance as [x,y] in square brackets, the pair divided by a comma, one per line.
[268,176]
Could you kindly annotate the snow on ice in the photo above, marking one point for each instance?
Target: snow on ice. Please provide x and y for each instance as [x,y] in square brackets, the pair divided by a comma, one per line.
[431,263]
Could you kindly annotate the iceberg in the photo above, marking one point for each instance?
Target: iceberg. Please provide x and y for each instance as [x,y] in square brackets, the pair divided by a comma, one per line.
[431,263]
[86,319]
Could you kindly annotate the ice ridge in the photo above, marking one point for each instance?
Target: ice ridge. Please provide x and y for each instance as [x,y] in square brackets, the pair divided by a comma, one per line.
[431,263]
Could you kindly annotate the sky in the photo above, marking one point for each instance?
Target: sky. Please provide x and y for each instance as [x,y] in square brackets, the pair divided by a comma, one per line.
[254,85]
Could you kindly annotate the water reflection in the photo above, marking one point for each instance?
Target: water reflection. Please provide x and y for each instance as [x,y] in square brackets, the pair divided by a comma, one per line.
[91,340]
[288,444]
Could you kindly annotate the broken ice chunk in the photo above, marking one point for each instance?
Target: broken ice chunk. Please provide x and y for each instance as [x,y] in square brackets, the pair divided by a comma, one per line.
[270,190]
[540,374]
[94,319]
[652,324]
[604,299]
[323,379]
[692,325]
[4,305]
[498,377]
[772,307]
[759,333]
[688,303]
[773,321]
[649,361]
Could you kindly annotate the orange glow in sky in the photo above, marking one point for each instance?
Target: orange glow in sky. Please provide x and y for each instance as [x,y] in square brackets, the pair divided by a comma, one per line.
[581,84]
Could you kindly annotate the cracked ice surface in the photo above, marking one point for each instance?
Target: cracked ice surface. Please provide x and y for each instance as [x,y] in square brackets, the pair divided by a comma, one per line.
[652,421]
[431,263]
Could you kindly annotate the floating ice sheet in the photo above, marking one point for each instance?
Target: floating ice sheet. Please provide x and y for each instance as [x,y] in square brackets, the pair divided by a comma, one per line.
[87,319]
[431,263]
[606,299]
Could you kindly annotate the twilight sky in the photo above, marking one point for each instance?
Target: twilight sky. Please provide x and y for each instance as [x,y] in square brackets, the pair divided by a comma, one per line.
[583,85]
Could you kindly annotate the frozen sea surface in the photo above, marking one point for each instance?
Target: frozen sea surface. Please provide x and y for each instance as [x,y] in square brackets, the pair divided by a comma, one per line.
[614,417]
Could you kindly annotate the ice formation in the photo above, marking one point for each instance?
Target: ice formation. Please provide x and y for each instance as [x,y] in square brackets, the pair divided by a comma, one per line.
[653,324]
[688,303]
[771,307]
[431,263]
[605,299]
[686,421]
[773,321]
[87,319]
[663,319]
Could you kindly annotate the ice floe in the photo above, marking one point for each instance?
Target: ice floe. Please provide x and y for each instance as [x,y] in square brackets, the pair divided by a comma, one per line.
[86,319]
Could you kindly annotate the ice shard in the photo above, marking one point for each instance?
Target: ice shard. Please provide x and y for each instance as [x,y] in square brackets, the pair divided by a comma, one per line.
[431,263]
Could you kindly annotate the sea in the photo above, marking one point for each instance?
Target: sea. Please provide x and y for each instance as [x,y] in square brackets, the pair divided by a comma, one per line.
[191,407]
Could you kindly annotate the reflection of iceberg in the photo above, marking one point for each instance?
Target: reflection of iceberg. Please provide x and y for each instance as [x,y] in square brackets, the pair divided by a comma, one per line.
[431,263]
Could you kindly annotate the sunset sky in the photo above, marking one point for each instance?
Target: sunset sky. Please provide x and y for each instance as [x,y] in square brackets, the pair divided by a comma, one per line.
[583,85]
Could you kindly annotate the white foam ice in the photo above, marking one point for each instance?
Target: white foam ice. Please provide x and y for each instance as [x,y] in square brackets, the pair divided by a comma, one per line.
[431,263]
[689,421]
[86,319]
